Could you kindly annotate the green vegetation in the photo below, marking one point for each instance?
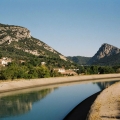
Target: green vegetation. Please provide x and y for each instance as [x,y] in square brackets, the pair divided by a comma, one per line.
[16,45]
[98,69]
[33,69]
[28,70]
[79,59]
[109,60]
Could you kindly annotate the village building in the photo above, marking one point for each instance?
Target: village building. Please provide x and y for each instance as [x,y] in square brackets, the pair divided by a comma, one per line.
[43,63]
[4,61]
[61,70]
[65,72]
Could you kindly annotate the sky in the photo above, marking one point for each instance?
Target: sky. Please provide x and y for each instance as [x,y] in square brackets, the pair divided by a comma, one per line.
[72,27]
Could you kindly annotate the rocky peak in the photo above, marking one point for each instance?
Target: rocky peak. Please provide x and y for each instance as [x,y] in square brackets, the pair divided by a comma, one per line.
[107,50]
[104,51]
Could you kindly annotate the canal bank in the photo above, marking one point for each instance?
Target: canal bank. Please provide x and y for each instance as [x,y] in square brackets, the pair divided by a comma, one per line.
[107,104]
[7,86]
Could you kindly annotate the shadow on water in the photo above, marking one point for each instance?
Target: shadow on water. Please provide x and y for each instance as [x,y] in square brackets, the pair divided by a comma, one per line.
[20,103]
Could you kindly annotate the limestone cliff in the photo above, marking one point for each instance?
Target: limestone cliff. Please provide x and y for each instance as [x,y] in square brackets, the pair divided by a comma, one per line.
[106,50]
[9,33]
[19,38]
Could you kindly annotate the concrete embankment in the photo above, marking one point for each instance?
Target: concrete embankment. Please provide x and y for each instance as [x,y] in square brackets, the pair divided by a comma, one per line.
[107,104]
[23,84]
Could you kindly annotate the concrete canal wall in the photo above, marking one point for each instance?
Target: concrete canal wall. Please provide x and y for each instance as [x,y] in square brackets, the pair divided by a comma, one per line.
[6,86]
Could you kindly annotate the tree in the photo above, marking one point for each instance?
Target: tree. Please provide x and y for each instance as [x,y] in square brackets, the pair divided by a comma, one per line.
[42,71]
[118,70]
[32,73]
[94,69]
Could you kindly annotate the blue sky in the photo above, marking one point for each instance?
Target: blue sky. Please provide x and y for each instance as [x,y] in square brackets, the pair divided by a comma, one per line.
[72,27]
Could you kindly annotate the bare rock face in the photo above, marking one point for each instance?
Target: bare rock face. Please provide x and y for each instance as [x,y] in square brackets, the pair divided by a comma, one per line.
[19,38]
[104,51]
[107,50]
[13,33]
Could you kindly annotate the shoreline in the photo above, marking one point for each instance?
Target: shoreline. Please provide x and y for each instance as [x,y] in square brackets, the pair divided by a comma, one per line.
[106,106]
[7,86]
[81,110]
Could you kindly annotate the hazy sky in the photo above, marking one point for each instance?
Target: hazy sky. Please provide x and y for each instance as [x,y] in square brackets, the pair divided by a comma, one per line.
[72,27]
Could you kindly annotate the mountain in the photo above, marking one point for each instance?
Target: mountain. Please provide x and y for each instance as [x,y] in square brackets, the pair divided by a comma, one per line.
[19,38]
[81,60]
[16,42]
[106,55]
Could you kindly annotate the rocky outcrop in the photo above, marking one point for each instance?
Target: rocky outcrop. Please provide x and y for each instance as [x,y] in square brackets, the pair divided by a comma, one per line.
[16,37]
[9,33]
[104,51]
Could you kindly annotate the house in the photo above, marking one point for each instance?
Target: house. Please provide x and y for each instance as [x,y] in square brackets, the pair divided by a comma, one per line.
[22,61]
[43,63]
[4,61]
[61,70]
[65,72]
[70,72]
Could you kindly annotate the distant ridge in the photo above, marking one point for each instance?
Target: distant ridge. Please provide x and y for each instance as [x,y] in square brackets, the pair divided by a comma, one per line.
[80,60]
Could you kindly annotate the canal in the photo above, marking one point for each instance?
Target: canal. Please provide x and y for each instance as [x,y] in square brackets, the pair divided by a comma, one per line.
[49,102]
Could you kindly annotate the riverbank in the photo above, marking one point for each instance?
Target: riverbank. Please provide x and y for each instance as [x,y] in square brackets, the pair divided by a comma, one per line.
[6,86]
[81,110]
[107,104]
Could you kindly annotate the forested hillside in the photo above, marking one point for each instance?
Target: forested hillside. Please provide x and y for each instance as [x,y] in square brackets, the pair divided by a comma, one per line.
[26,54]
[80,60]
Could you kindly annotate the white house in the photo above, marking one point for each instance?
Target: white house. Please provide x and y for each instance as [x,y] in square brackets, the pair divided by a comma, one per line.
[4,61]
[61,70]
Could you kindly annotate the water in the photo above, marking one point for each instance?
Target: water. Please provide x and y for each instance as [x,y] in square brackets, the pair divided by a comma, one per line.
[48,103]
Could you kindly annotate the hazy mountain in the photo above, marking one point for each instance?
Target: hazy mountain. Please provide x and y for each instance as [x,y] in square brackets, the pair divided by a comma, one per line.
[81,60]
[106,55]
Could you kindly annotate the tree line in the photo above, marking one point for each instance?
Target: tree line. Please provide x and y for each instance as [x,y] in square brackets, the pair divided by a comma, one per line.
[16,70]
[94,69]
[33,69]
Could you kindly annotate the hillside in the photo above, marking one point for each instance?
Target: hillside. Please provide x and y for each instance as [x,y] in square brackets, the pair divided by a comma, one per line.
[19,38]
[17,43]
[106,55]
[81,60]
[109,60]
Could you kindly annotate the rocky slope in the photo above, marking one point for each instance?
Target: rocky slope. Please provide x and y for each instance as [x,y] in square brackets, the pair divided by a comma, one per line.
[19,38]
[105,55]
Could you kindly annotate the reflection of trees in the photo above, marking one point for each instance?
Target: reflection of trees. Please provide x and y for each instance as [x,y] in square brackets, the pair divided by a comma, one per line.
[20,103]
[103,85]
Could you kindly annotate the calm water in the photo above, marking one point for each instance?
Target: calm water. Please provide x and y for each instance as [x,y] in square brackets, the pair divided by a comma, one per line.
[50,103]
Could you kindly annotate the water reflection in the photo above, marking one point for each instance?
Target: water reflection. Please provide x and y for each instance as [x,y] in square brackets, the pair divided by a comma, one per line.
[53,107]
[20,103]
[103,85]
